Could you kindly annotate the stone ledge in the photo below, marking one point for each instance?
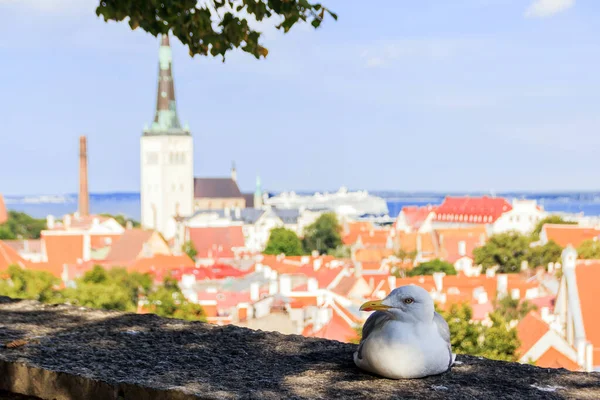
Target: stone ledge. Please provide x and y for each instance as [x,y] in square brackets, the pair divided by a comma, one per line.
[77,353]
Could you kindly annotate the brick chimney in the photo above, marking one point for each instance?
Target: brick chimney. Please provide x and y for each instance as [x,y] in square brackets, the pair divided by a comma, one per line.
[84,198]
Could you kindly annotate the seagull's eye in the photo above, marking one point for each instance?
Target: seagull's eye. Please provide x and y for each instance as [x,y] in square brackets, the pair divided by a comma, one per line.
[408,300]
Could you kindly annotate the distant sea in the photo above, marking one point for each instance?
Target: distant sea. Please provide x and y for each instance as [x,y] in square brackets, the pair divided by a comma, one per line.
[128,204]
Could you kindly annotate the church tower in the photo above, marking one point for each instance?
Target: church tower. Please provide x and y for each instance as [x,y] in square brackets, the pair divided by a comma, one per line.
[167,162]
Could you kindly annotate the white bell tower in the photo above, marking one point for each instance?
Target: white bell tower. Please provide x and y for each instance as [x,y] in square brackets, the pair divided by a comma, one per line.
[167,158]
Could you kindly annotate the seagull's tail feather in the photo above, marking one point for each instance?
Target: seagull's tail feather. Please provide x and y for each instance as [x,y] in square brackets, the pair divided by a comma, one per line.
[453,359]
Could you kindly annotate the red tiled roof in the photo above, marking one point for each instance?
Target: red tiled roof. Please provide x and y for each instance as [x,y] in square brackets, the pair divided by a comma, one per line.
[588,276]
[100,241]
[8,256]
[225,300]
[353,229]
[336,329]
[161,262]
[374,238]
[324,276]
[63,249]
[282,266]
[355,319]
[129,246]
[472,209]
[481,311]
[449,240]
[553,358]
[530,330]
[372,254]
[541,302]
[215,242]
[563,234]
[415,216]
[85,222]
[31,245]
[303,301]
[409,242]
[55,269]
[345,285]
[3,212]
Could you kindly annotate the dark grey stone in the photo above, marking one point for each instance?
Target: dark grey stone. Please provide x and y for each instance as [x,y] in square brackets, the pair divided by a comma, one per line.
[77,353]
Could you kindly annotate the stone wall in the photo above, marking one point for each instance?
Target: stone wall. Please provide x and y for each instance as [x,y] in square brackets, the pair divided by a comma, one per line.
[77,353]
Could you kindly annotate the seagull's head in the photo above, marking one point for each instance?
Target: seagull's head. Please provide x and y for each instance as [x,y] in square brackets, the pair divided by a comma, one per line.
[406,303]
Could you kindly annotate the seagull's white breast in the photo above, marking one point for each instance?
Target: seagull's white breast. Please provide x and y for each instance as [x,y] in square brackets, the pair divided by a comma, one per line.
[402,350]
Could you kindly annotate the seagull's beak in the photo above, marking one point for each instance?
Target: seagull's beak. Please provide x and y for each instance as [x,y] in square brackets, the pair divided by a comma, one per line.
[374,306]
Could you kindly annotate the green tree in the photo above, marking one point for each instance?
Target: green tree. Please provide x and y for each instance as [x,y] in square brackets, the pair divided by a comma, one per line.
[429,267]
[406,255]
[340,252]
[26,284]
[21,226]
[500,342]
[589,250]
[113,289]
[513,309]
[168,301]
[507,250]
[283,241]
[543,255]
[122,220]
[323,235]
[553,219]
[189,249]
[213,27]
[497,342]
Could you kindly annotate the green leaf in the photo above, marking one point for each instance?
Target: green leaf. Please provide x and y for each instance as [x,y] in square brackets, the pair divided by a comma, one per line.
[193,22]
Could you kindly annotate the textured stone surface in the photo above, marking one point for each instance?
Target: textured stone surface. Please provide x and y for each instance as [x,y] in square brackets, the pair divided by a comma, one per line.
[76,353]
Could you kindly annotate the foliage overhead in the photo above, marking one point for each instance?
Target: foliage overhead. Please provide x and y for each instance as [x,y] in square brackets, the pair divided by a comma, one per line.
[284,241]
[589,250]
[552,219]
[213,27]
[323,235]
[21,226]
[429,267]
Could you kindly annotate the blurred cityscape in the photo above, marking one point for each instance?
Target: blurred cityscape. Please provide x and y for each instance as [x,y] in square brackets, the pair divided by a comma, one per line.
[523,264]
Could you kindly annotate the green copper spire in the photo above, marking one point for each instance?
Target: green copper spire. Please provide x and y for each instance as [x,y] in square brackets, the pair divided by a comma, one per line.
[258,191]
[258,197]
[165,120]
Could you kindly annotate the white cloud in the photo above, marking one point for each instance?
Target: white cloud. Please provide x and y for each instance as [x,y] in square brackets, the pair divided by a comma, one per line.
[547,8]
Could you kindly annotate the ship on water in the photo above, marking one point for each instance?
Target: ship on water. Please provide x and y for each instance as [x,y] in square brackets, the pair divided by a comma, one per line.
[357,204]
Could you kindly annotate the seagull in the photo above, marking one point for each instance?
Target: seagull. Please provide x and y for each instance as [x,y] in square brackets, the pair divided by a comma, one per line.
[404,338]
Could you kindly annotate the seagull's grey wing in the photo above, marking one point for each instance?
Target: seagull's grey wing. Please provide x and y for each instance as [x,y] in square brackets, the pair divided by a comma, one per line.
[375,321]
[444,331]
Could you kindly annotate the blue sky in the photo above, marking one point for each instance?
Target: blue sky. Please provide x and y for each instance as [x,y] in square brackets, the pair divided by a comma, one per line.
[403,95]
